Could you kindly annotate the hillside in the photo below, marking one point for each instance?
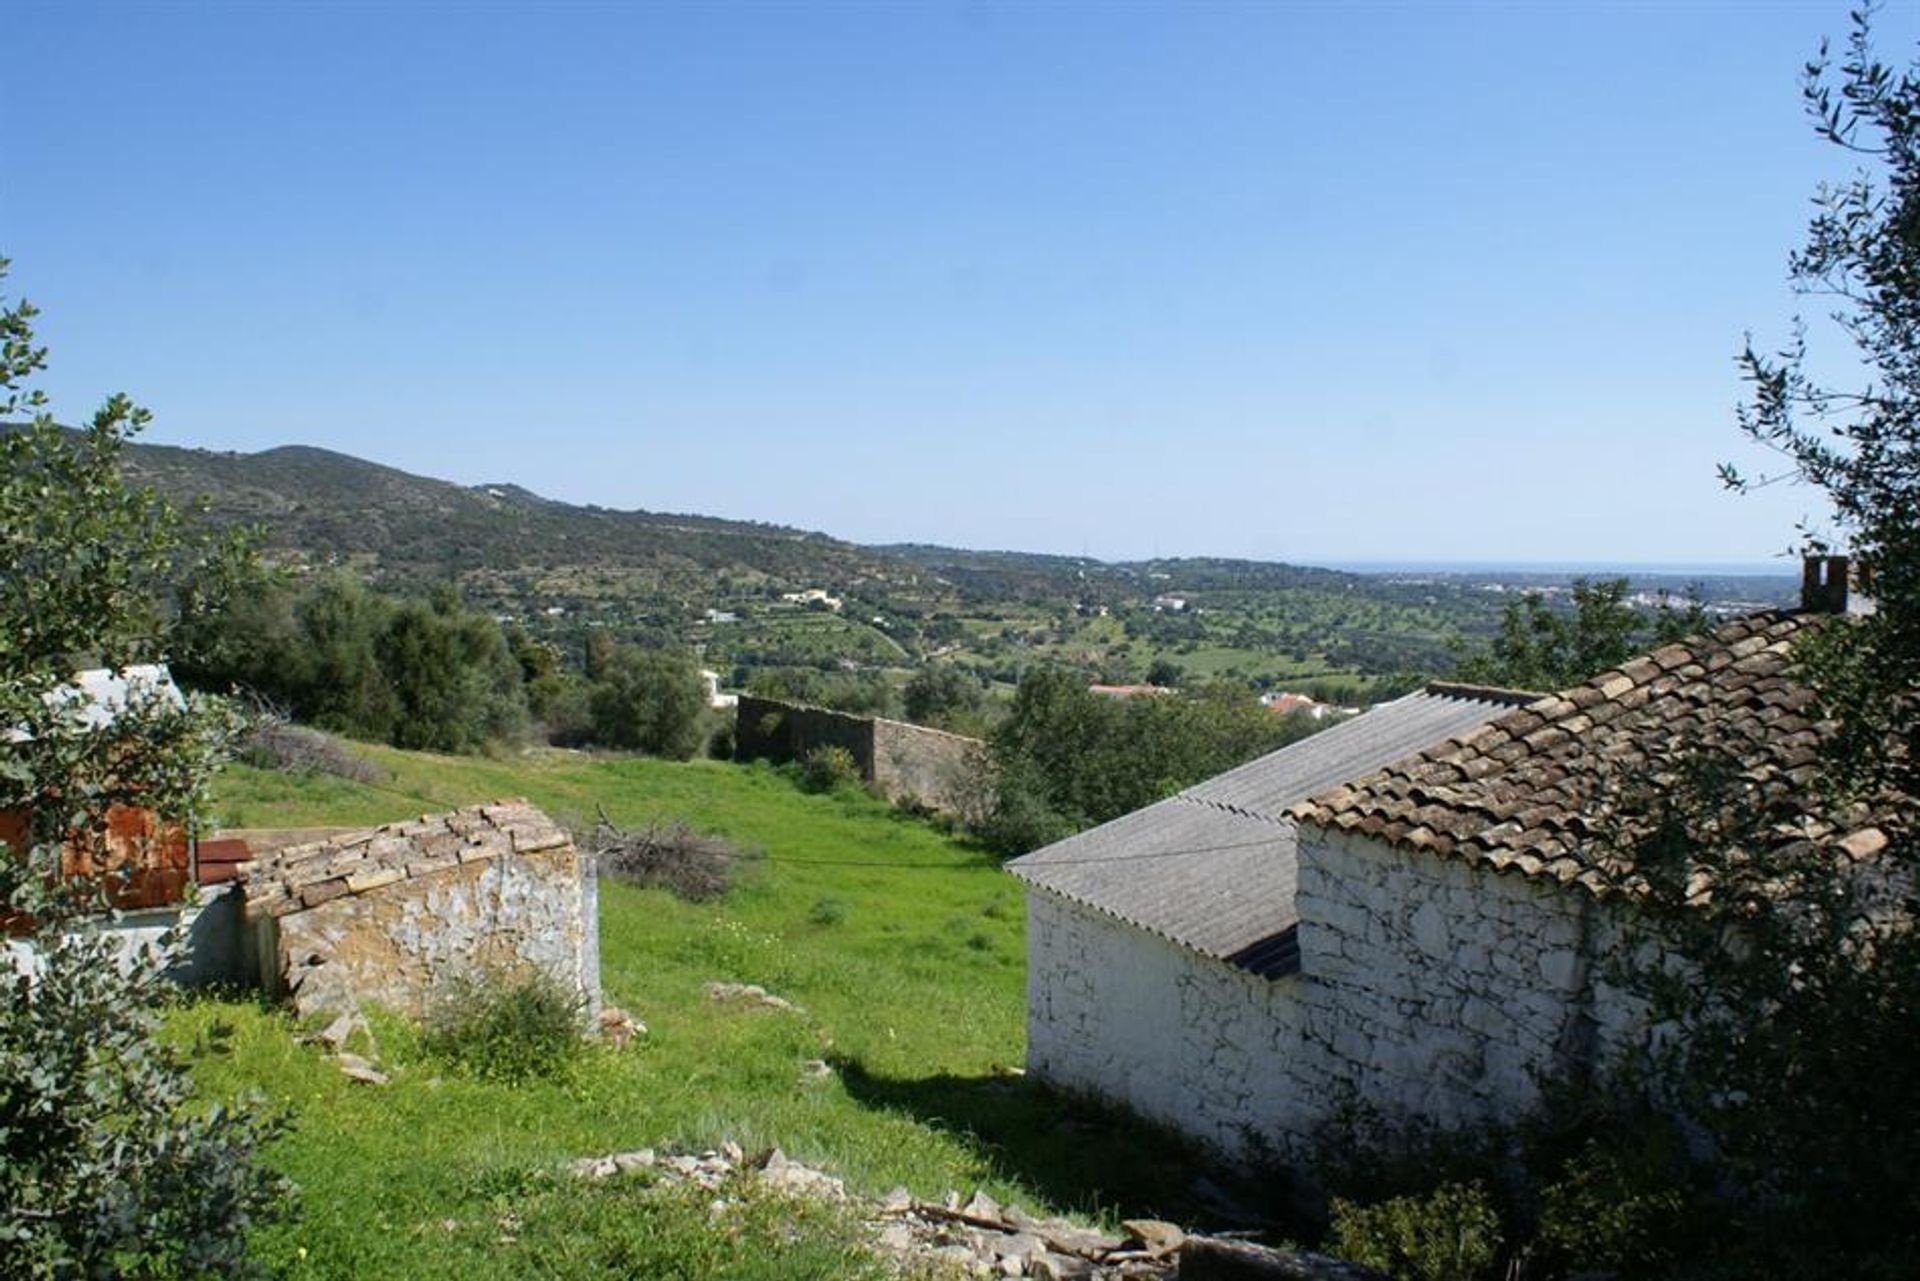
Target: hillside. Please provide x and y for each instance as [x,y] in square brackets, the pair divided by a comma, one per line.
[325,507]
[733,589]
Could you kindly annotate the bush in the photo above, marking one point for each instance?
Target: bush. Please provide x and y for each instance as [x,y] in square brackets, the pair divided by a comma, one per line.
[826,769]
[508,1028]
[828,911]
[651,701]
[1450,1234]
[274,742]
[670,855]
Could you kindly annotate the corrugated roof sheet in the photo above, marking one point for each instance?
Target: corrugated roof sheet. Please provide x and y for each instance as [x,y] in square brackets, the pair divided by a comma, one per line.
[1212,868]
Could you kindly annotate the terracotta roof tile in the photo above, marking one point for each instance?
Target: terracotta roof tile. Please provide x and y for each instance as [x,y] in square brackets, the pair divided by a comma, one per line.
[1521,791]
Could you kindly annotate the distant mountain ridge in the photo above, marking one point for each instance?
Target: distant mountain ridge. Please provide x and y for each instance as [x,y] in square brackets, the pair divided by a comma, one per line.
[322,506]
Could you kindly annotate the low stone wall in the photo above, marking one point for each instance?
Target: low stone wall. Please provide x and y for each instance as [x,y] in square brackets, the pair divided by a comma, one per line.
[387,916]
[908,764]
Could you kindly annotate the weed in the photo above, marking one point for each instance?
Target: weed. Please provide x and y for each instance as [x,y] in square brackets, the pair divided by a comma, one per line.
[508,1028]
[828,911]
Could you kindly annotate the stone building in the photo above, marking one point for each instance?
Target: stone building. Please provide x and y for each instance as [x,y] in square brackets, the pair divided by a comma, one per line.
[1424,928]
[1163,948]
[386,916]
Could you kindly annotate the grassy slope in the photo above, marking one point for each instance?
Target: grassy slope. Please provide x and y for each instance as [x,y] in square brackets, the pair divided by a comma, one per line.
[915,994]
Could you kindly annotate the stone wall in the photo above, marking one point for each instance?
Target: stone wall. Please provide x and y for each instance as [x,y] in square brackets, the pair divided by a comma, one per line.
[1447,991]
[1179,1037]
[908,764]
[389,915]
[1427,988]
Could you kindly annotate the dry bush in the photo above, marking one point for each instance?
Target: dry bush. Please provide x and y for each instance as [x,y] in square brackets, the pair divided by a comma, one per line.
[274,742]
[668,853]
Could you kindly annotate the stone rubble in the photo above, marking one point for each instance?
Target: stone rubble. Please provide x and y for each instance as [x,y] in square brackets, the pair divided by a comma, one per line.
[979,1238]
[752,994]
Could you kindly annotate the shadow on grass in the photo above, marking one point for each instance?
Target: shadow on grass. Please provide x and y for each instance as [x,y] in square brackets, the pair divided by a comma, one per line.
[1078,1153]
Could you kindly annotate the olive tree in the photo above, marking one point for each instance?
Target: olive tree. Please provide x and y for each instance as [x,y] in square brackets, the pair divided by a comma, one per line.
[108,1166]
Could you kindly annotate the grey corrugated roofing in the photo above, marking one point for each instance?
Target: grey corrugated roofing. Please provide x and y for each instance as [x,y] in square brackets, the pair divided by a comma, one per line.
[1212,868]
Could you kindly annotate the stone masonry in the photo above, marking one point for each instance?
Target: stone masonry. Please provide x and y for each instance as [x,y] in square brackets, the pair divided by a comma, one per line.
[387,916]
[905,763]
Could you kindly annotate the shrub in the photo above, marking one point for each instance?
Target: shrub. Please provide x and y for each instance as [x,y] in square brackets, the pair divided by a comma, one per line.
[828,911]
[508,1028]
[670,855]
[274,742]
[1450,1234]
[825,769]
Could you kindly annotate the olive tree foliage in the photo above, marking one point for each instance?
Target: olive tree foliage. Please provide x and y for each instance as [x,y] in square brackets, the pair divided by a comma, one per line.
[107,1165]
[1538,647]
[1794,900]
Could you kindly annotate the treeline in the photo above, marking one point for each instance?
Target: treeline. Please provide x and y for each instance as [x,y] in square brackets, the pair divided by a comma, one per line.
[435,675]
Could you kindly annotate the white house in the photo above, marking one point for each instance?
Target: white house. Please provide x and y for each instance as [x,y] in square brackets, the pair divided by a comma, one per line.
[1314,930]
[1163,960]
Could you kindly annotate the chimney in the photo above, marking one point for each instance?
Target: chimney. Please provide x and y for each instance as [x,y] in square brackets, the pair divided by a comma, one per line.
[1835,585]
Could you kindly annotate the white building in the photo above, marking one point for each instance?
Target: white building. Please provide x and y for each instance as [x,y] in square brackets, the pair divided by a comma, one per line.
[1426,938]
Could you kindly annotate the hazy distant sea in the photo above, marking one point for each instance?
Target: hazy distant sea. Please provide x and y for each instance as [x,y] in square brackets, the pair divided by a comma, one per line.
[1677,569]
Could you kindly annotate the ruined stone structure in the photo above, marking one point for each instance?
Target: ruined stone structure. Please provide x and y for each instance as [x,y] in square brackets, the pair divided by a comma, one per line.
[387,916]
[908,764]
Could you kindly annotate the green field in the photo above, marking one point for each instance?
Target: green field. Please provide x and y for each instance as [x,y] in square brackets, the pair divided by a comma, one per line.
[902,946]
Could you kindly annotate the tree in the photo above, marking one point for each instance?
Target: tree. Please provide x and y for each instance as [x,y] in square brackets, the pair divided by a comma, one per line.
[1797,1064]
[650,701]
[1541,648]
[941,693]
[106,1168]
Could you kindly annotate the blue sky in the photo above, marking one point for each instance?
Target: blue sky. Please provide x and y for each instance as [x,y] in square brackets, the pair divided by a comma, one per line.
[1304,282]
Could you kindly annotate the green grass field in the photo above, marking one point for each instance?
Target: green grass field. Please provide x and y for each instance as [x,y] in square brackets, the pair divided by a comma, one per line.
[903,946]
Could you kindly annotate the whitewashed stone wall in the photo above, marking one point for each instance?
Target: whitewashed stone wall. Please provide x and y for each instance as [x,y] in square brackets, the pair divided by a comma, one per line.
[1428,988]
[1445,991]
[1186,1040]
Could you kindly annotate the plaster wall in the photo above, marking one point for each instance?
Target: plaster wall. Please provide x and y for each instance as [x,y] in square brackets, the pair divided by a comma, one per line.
[1446,991]
[1179,1037]
[395,945]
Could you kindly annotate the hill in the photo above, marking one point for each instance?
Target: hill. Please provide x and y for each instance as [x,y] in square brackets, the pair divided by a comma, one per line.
[322,507]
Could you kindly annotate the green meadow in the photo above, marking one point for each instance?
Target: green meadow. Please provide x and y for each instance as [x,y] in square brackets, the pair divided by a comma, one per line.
[902,946]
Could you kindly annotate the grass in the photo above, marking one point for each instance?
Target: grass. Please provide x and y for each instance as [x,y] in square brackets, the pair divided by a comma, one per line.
[912,987]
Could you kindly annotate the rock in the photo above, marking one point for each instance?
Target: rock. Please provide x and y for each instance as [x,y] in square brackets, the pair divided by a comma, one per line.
[897,1237]
[336,1033]
[982,1206]
[1019,1245]
[752,994]
[732,1152]
[1157,1237]
[897,1201]
[815,1070]
[641,1160]
[1210,1259]
[1060,1267]
[619,1027]
[1012,1265]
[358,1069]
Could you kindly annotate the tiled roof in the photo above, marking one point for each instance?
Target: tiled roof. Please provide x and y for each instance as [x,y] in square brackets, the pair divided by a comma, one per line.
[1212,868]
[1521,793]
[304,876]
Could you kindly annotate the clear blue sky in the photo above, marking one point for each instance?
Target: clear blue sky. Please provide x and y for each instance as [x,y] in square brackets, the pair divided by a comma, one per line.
[1283,281]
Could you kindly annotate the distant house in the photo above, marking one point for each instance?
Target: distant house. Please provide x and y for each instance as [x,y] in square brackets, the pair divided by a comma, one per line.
[1129,691]
[1402,911]
[715,698]
[816,596]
